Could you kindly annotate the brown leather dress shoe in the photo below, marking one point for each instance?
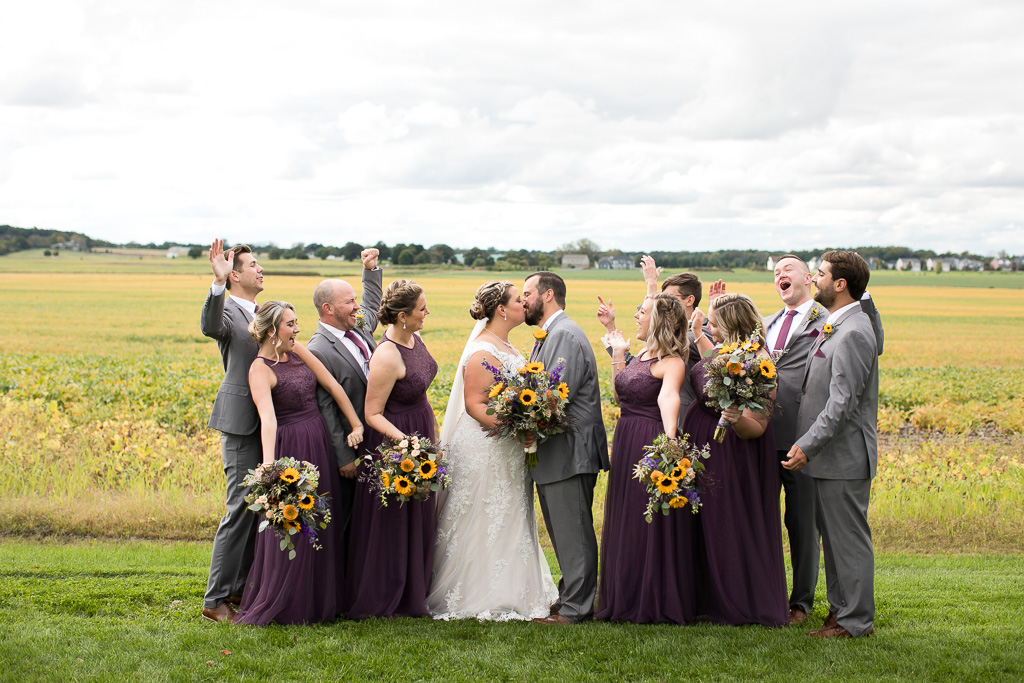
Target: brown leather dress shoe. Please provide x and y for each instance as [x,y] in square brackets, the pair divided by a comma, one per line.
[235,600]
[797,615]
[830,621]
[555,606]
[553,620]
[836,632]
[224,612]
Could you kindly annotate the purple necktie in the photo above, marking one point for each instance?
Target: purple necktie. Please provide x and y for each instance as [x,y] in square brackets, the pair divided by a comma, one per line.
[256,309]
[349,334]
[780,342]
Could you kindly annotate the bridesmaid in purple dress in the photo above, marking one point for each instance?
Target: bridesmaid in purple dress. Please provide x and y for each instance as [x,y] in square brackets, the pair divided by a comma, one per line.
[646,569]
[283,381]
[391,549]
[740,572]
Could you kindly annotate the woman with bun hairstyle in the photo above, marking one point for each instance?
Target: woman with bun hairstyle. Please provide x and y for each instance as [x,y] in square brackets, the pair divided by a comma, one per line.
[391,549]
[283,381]
[488,564]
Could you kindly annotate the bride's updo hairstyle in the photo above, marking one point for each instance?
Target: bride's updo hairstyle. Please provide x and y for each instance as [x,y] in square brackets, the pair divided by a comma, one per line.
[267,320]
[666,336]
[401,296]
[736,317]
[490,295]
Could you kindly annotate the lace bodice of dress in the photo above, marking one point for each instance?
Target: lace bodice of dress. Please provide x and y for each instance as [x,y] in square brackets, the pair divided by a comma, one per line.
[509,358]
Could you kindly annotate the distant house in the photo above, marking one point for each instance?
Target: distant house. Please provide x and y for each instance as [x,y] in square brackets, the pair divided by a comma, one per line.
[614,263]
[814,264]
[1001,264]
[176,252]
[581,261]
[770,265]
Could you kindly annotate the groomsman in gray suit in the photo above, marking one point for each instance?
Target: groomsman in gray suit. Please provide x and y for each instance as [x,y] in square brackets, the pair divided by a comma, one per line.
[343,342]
[794,330]
[837,421]
[229,308]
[568,464]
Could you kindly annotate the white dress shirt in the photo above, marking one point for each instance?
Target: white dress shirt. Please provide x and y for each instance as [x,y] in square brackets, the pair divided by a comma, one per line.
[351,346]
[776,326]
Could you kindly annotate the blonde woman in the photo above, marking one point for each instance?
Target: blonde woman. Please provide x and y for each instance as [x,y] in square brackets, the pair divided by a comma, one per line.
[740,575]
[646,574]
[283,381]
[391,549]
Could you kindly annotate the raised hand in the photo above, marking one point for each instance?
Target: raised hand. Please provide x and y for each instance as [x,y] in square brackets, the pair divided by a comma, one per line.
[220,262]
[617,342]
[715,290]
[697,321]
[650,272]
[606,314]
[369,257]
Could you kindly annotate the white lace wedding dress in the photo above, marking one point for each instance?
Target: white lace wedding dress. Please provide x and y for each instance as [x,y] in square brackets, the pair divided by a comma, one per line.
[488,563]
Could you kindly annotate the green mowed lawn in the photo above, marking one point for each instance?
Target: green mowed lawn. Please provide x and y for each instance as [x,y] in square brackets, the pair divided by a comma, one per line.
[105,610]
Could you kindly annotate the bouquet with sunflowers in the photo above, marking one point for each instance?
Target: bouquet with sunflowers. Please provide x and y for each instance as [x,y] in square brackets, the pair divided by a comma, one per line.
[738,375]
[407,469]
[284,494]
[669,470]
[528,400]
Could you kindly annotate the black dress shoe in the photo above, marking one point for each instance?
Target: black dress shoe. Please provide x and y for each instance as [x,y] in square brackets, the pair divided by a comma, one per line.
[221,613]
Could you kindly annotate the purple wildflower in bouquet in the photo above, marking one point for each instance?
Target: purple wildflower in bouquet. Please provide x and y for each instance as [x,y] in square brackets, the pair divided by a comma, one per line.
[670,469]
[284,494]
[528,400]
[407,469]
[739,375]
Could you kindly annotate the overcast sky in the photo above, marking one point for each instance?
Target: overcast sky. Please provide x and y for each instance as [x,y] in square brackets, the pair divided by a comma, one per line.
[640,125]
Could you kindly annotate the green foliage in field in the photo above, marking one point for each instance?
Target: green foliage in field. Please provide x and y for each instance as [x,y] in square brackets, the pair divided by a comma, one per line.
[124,611]
[106,385]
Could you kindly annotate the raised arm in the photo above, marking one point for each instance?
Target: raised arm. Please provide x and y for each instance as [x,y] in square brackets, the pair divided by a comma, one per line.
[261,380]
[212,323]
[650,272]
[373,279]
[618,349]
[327,381]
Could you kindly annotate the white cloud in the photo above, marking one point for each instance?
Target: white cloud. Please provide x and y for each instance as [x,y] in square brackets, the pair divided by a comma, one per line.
[651,125]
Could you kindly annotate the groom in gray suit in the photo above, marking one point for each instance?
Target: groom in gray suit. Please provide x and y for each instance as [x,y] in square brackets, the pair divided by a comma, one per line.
[837,421]
[568,464]
[229,308]
[344,347]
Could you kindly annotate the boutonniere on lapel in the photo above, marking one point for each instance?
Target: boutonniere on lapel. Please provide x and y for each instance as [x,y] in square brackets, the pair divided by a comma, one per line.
[360,321]
[540,336]
[813,314]
[828,330]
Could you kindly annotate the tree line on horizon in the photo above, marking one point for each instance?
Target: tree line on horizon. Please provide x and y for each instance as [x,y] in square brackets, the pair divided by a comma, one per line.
[13,239]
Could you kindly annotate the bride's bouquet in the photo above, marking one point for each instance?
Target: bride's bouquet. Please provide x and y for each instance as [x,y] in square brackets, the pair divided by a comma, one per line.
[407,469]
[528,400]
[670,469]
[284,494]
[739,376]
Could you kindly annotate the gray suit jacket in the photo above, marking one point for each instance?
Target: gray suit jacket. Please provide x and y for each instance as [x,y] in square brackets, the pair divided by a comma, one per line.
[349,373]
[838,414]
[793,362]
[584,450]
[228,323]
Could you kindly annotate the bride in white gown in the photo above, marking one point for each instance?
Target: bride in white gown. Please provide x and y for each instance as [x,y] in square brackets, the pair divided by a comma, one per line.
[488,563]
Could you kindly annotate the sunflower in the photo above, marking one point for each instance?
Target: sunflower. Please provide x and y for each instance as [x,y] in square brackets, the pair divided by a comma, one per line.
[306,502]
[828,329]
[667,485]
[290,512]
[767,368]
[678,473]
[385,479]
[427,469]
[540,335]
[288,526]
[535,367]
[407,466]
[522,370]
[528,397]
[734,368]
[563,390]
[403,486]
[678,502]
[496,389]
[290,475]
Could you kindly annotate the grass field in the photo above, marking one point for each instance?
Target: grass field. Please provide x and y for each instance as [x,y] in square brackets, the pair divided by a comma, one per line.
[106,385]
[103,611]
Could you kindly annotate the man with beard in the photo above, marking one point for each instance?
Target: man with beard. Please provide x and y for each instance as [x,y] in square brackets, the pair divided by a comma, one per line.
[837,421]
[343,342]
[568,464]
[230,307]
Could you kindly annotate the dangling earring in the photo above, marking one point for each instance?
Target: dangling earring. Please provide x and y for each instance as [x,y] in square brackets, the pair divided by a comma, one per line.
[403,324]
[504,317]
